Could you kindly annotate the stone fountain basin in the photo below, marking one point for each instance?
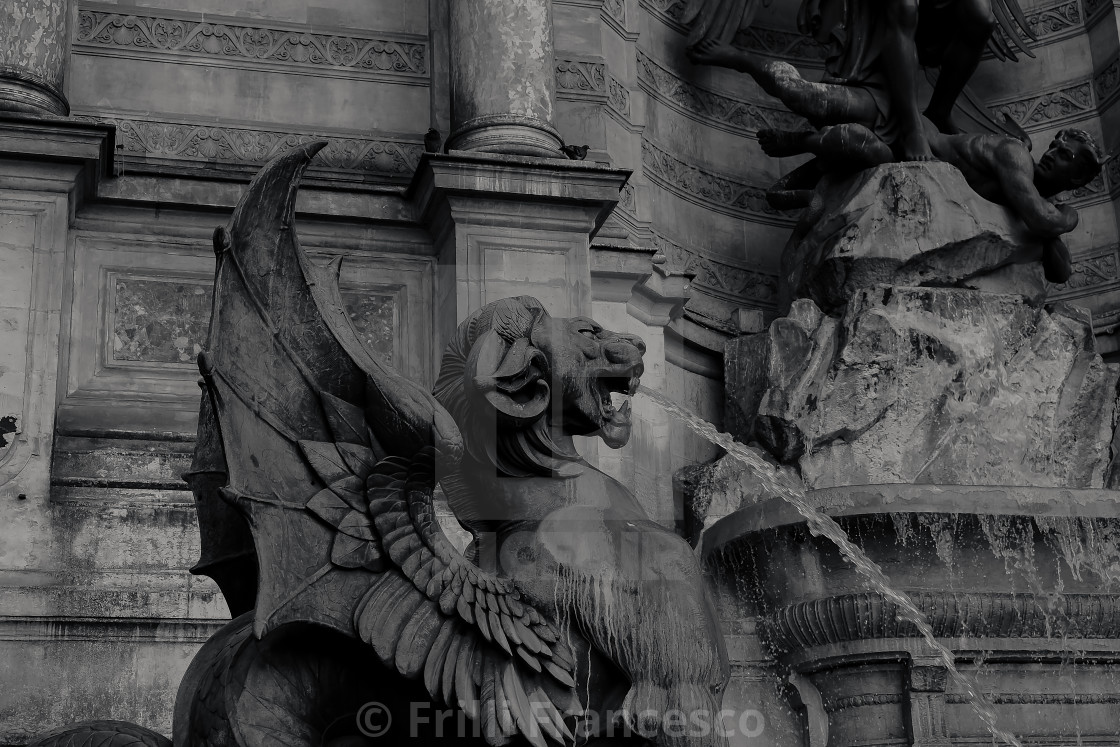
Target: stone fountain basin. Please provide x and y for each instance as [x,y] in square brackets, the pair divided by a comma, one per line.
[996,563]
[1019,582]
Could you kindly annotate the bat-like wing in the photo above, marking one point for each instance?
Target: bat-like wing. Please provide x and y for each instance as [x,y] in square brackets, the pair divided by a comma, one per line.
[328,456]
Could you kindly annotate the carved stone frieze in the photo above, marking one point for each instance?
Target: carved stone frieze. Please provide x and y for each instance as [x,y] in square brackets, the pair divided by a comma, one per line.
[581,76]
[668,11]
[867,616]
[1039,698]
[722,111]
[203,144]
[618,96]
[1050,23]
[720,276]
[722,193]
[616,9]
[1095,191]
[1106,81]
[1060,18]
[1099,267]
[861,701]
[1041,110]
[241,42]
[590,78]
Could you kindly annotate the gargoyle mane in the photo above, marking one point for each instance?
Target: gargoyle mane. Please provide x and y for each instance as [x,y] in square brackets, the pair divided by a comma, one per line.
[498,387]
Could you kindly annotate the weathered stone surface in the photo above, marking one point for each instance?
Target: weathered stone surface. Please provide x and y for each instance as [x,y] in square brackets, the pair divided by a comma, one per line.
[907,224]
[932,385]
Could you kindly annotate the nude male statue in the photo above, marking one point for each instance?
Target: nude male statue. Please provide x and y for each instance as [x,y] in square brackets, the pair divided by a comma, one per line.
[999,168]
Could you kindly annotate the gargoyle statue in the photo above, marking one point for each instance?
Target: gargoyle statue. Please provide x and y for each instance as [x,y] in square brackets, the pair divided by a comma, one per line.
[315,475]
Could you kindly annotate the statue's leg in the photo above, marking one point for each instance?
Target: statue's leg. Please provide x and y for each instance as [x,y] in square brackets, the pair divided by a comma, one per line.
[974,23]
[850,146]
[900,64]
[820,103]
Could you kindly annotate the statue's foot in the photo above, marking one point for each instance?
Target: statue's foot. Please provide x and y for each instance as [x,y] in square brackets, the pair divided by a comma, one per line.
[712,52]
[782,143]
[913,147]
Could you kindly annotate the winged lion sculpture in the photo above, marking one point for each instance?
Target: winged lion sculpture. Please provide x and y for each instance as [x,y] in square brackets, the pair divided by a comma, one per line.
[316,472]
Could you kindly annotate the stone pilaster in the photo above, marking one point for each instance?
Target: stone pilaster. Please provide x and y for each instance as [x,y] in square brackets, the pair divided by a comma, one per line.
[34,42]
[502,82]
[509,226]
[925,701]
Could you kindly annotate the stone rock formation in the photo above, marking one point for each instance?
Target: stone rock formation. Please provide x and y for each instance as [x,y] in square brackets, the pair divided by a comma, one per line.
[916,224]
[930,385]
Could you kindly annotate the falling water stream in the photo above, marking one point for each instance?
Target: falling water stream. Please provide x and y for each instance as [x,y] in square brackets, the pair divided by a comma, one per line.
[822,525]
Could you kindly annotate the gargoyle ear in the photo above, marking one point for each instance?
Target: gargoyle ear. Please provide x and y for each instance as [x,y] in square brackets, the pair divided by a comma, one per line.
[512,378]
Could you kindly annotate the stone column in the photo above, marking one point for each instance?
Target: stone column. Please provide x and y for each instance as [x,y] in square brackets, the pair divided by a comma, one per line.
[34,45]
[502,80]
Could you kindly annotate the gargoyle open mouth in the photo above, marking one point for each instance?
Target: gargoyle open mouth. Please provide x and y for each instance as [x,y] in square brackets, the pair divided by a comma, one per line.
[613,392]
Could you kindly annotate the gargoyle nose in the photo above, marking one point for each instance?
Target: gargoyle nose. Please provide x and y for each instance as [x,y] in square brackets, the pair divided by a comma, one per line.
[629,350]
[636,341]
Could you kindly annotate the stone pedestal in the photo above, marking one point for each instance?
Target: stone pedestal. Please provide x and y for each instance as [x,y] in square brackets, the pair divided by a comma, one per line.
[34,51]
[906,224]
[503,85]
[509,226]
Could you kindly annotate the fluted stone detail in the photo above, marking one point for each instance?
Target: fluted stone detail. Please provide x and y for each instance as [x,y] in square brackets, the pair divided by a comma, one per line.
[34,39]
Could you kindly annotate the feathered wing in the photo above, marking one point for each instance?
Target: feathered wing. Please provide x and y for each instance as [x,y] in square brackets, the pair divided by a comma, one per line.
[720,20]
[329,456]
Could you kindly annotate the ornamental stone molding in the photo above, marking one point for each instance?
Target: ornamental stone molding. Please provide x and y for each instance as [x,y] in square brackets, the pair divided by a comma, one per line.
[721,193]
[868,616]
[577,79]
[581,76]
[1042,110]
[719,276]
[719,110]
[106,31]
[204,144]
[1106,82]
[1096,268]
[1051,23]
[1039,698]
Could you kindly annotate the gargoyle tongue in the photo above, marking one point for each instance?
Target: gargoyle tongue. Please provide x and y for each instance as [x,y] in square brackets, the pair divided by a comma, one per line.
[616,430]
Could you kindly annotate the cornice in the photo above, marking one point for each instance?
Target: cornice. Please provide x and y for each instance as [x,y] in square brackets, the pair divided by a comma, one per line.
[154,145]
[217,40]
